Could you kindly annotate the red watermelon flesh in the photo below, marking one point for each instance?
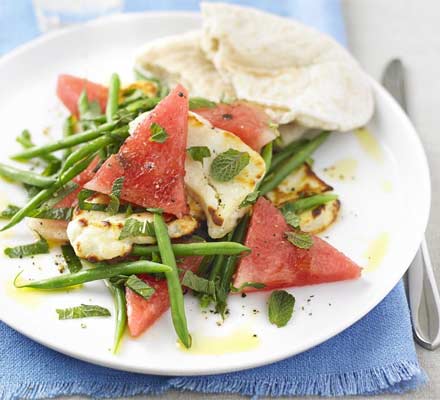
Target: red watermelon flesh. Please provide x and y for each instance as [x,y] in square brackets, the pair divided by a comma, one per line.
[250,123]
[153,172]
[141,313]
[69,88]
[277,263]
[71,199]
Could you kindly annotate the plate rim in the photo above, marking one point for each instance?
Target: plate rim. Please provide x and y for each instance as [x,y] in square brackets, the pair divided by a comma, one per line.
[377,89]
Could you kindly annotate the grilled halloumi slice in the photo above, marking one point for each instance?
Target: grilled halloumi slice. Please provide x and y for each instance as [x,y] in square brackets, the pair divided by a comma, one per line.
[319,218]
[304,182]
[50,229]
[94,235]
[219,200]
[301,182]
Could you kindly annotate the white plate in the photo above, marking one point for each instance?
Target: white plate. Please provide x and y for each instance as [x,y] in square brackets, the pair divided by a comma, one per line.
[388,195]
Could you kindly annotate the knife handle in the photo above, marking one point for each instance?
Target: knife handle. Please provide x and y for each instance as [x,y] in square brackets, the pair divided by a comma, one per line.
[421,280]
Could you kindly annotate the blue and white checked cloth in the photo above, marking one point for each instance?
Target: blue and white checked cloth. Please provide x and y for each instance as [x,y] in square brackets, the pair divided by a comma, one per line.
[375,355]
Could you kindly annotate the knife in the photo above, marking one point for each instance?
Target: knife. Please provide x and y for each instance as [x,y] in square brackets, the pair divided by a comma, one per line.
[423,294]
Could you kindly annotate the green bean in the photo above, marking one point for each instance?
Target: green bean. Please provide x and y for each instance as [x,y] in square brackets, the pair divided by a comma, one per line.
[288,151]
[30,206]
[132,109]
[25,140]
[19,175]
[292,163]
[47,193]
[217,264]
[113,97]
[91,147]
[118,294]
[95,274]
[238,237]
[98,119]
[216,267]
[266,153]
[194,249]
[65,142]
[203,268]
[68,130]
[174,287]
[143,104]
[218,261]
[229,268]
[307,203]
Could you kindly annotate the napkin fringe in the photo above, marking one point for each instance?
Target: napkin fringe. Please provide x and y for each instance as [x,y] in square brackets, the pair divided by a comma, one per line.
[32,391]
[373,380]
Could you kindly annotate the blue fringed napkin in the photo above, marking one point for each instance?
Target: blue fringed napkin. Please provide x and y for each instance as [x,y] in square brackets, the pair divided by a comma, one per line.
[375,355]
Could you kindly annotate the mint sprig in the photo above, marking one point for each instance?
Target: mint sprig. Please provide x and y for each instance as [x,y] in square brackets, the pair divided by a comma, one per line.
[228,165]
[281,304]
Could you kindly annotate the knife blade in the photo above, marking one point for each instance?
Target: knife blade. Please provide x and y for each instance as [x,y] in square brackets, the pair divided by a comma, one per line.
[421,285]
[394,81]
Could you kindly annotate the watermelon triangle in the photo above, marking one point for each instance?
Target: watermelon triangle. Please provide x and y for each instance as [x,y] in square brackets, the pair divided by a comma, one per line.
[249,122]
[153,172]
[141,313]
[69,88]
[277,263]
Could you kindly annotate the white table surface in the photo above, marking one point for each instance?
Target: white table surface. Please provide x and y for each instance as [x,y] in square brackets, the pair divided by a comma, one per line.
[379,30]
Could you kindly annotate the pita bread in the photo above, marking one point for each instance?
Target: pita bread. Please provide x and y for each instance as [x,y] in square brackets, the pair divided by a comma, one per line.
[179,59]
[296,73]
[302,74]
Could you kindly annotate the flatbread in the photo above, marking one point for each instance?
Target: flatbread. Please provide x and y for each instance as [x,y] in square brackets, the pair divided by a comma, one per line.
[302,74]
[179,59]
[296,73]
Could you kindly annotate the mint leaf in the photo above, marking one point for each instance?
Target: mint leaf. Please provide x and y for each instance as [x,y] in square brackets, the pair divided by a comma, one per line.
[281,306]
[60,214]
[288,211]
[9,211]
[83,195]
[113,205]
[303,240]
[198,153]
[158,134]
[200,102]
[93,112]
[72,260]
[229,164]
[250,199]
[26,250]
[133,227]
[139,287]
[292,219]
[198,284]
[82,311]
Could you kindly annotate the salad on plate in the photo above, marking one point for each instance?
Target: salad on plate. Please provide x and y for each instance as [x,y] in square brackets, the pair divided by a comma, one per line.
[197,177]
